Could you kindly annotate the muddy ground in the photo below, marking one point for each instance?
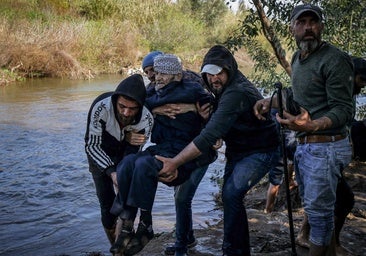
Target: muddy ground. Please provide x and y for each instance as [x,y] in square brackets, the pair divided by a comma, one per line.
[269,233]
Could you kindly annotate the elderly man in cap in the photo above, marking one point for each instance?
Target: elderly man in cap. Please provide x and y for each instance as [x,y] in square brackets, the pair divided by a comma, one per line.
[251,144]
[184,193]
[138,174]
[322,84]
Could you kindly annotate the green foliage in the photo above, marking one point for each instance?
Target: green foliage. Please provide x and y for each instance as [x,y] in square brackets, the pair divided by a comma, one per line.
[99,9]
[209,12]
[345,28]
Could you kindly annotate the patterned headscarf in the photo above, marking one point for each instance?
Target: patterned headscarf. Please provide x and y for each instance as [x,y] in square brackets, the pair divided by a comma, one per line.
[167,64]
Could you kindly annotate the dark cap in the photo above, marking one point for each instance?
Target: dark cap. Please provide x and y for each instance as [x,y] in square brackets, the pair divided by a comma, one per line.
[300,9]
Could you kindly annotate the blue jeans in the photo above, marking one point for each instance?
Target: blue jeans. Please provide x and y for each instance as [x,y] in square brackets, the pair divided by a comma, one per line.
[318,168]
[183,195]
[241,175]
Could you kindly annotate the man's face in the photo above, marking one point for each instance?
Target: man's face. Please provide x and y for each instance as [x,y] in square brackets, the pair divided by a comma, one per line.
[149,71]
[307,31]
[162,80]
[218,81]
[127,110]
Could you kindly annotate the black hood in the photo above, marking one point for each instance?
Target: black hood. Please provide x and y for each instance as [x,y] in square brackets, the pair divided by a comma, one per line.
[222,57]
[132,87]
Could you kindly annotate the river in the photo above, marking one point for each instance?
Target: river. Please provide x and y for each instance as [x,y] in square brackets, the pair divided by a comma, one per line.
[48,204]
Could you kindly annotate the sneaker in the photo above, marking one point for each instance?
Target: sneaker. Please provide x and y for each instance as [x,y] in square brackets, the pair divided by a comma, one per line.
[143,235]
[123,239]
[170,250]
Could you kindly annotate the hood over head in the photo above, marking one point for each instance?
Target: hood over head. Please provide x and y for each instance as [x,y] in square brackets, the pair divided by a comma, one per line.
[133,87]
[219,57]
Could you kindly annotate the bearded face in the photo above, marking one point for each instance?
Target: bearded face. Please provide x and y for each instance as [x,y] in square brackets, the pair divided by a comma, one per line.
[309,42]
[307,31]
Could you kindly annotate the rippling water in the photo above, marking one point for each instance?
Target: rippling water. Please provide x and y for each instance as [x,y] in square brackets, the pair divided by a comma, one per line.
[48,204]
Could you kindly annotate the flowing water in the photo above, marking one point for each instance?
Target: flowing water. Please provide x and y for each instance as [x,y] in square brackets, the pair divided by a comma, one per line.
[48,204]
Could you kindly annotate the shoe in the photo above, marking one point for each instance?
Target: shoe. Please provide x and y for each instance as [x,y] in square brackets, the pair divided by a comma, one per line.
[123,238]
[180,252]
[143,235]
[170,250]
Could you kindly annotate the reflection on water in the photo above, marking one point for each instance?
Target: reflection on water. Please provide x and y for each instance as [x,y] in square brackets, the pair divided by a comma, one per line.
[47,197]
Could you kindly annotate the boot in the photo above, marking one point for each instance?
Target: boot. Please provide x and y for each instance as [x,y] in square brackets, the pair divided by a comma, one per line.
[317,250]
[326,250]
[123,238]
[111,234]
[302,238]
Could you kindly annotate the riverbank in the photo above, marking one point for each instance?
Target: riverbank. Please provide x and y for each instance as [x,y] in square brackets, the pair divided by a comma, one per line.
[269,233]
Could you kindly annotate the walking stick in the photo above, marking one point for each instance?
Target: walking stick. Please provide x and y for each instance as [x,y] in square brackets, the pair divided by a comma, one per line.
[278,86]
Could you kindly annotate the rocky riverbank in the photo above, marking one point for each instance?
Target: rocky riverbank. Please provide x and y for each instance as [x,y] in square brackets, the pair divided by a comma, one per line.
[269,233]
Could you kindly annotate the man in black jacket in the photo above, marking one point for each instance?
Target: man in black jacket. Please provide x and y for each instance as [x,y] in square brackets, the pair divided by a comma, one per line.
[118,124]
[251,145]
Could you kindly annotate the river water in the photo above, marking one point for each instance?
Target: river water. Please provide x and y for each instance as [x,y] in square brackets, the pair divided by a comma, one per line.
[48,204]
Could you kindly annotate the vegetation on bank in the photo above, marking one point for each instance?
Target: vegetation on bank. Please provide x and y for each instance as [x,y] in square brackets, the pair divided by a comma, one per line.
[84,38]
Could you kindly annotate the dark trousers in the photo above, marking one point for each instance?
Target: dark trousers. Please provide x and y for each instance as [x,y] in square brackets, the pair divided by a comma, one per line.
[358,135]
[105,193]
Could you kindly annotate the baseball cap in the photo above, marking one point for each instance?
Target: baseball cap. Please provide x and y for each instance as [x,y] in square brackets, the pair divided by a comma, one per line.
[211,69]
[300,9]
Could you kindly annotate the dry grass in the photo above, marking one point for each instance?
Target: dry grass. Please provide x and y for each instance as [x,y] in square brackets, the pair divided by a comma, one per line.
[73,49]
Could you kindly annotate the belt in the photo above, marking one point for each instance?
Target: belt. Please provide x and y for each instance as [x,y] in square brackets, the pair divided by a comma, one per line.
[320,138]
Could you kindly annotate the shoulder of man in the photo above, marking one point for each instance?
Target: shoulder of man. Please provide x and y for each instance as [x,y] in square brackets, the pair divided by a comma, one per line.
[190,75]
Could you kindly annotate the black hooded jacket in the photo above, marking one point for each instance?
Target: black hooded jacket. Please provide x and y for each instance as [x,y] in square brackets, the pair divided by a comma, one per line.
[233,119]
[105,143]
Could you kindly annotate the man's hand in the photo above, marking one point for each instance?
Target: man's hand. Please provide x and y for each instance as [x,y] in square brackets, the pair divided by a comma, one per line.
[261,107]
[218,144]
[169,171]
[114,179]
[303,122]
[171,110]
[135,139]
[204,111]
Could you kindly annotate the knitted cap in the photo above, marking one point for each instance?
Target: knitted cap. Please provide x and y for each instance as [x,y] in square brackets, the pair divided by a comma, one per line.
[167,64]
[149,59]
